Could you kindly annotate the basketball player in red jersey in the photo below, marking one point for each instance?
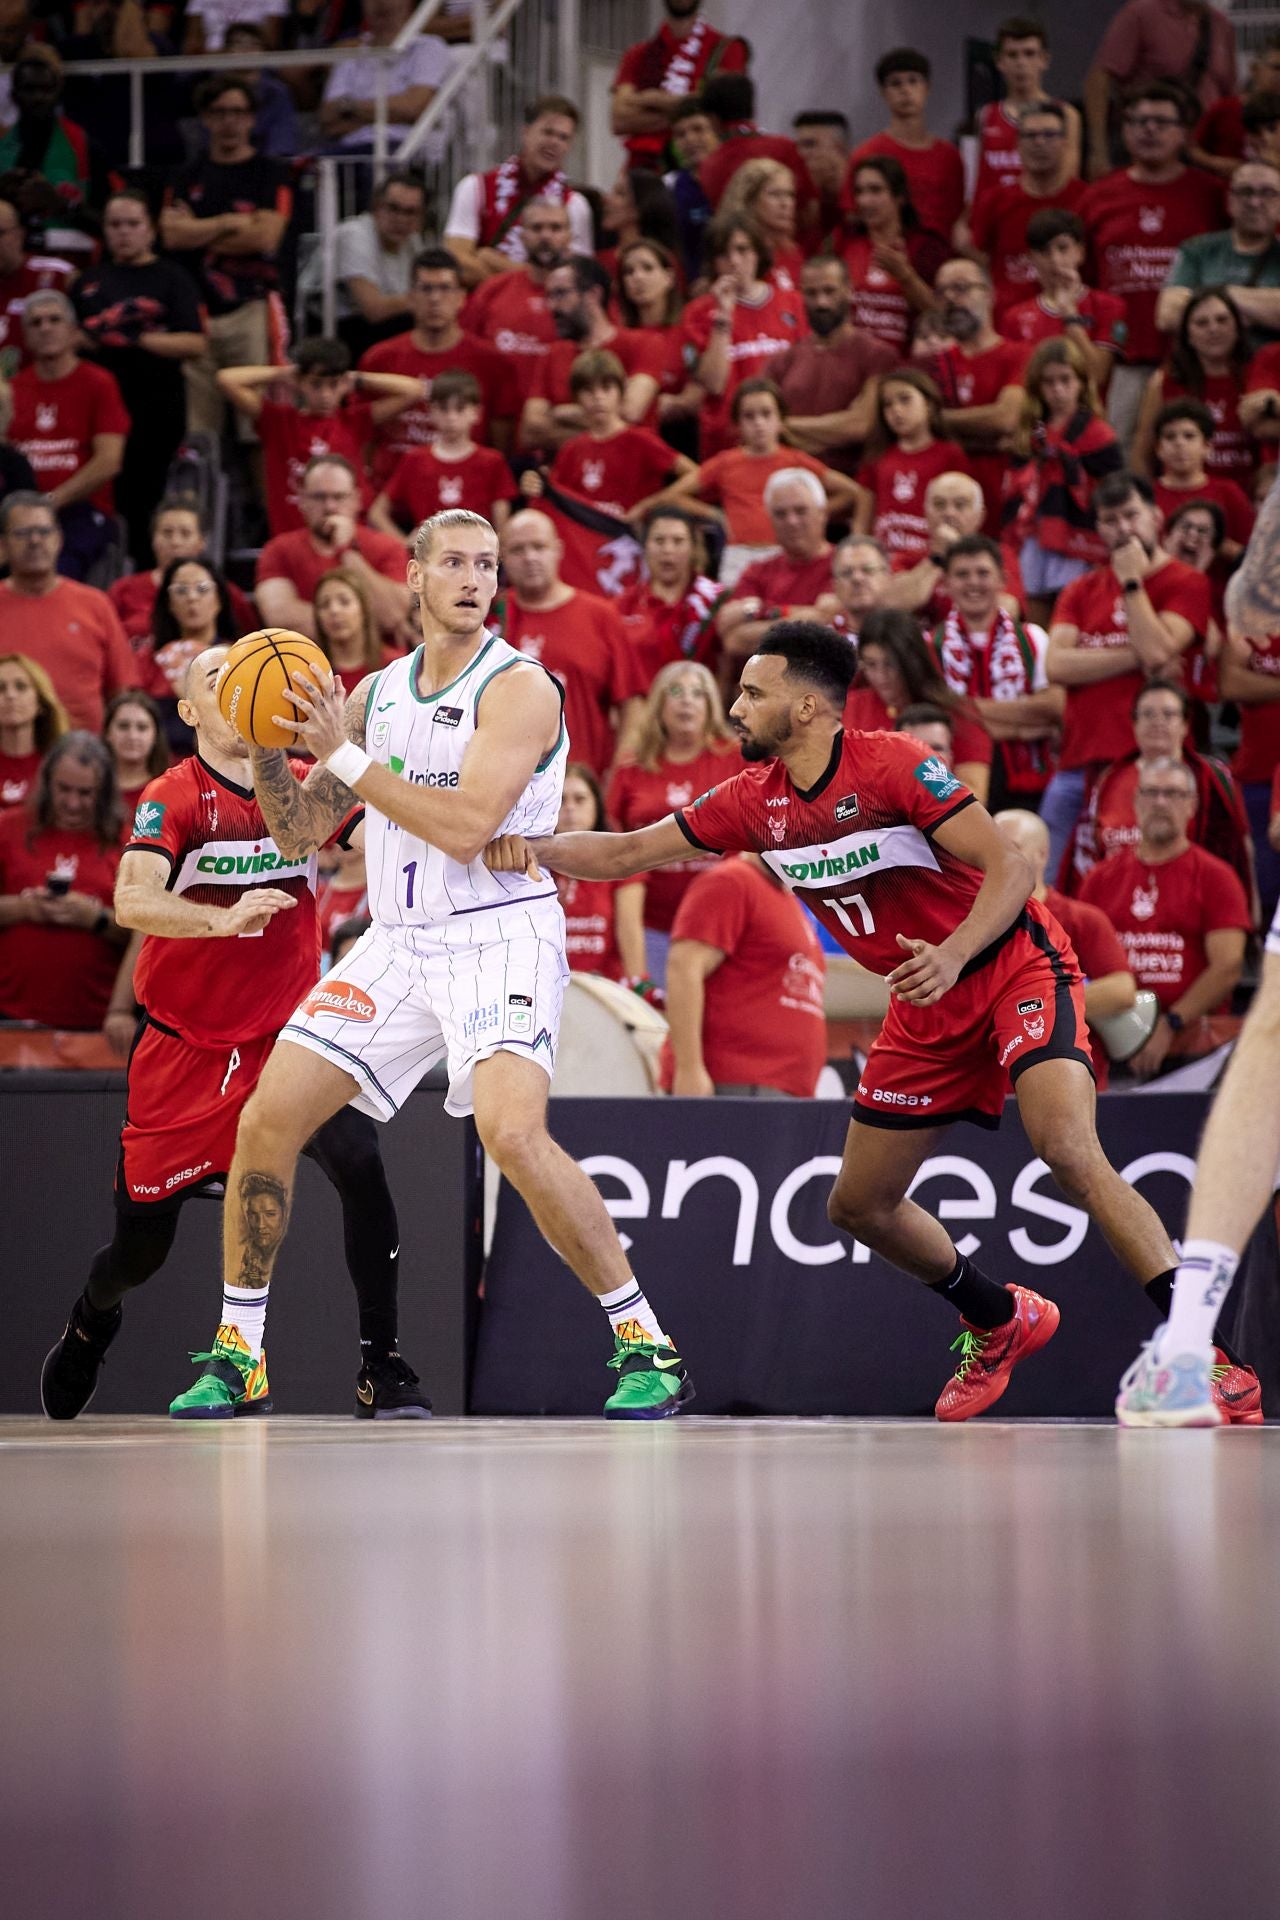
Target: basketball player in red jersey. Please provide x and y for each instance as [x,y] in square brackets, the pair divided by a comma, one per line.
[911,875]
[201,868]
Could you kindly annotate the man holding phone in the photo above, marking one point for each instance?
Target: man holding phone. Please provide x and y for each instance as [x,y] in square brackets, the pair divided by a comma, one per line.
[1114,628]
[291,566]
[60,947]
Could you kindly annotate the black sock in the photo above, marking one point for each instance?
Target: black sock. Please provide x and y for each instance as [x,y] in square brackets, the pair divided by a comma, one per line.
[982,1302]
[1160,1293]
[346,1151]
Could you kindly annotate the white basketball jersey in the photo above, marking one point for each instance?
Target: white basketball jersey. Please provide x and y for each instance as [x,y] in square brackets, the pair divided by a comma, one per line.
[422,739]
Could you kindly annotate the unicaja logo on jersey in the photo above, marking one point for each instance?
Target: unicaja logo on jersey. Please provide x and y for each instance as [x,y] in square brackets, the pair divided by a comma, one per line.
[937,776]
[148,820]
[342,1001]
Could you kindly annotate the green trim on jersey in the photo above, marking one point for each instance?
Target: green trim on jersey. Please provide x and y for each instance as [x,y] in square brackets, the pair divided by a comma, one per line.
[368,703]
[545,762]
[522,661]
[429,699]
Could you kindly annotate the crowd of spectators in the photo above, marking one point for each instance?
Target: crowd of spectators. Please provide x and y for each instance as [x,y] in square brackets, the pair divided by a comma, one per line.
[1000,409]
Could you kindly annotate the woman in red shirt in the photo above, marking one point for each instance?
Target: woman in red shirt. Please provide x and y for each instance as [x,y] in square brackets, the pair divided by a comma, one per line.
[891,258]
[670,614]
[133,729]
[31,718]
[896,670]
[764,191]
[905,452]
[682,747]
[650,302]
[742,324]
[193,611]
[601,934]
[1208,362]
[346,629]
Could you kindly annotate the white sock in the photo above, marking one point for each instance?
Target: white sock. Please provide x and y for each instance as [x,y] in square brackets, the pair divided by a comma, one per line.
[631,1316]
[245,1309]
[1205,1273]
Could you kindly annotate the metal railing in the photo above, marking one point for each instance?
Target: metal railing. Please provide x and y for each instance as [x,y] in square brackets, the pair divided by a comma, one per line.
[138,71]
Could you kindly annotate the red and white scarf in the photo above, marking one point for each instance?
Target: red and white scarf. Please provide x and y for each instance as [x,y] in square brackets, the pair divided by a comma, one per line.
[506,191]
[685,65]
[1002,670]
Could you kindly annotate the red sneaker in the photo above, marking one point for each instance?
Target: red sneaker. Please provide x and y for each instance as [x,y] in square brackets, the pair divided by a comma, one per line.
[1237,1392]
[989,1355]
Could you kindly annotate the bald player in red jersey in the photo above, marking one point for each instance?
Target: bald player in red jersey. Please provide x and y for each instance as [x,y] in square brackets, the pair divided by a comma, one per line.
[232,945]
[912,877]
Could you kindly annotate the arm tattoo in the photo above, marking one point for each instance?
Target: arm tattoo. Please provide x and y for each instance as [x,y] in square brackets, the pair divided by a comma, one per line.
[303,814]
[1253,592]
[264,1221]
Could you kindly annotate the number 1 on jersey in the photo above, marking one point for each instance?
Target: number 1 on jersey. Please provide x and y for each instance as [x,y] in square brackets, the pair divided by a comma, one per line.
[858,900]
[410,873]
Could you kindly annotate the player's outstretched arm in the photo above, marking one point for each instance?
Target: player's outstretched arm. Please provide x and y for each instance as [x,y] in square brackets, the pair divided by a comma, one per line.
[972,836]
[303,815]
[1253,591]
[614,856]
[144,904]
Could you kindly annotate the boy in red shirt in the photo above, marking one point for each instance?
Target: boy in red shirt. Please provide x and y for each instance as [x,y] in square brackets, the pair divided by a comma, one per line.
[1183,432]
[312,412]
[934,169]
[1021,60]
[451,472]
[1056,248]
[618,468]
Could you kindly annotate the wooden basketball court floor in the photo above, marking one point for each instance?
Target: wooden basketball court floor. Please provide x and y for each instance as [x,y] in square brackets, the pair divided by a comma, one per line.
[564,1669]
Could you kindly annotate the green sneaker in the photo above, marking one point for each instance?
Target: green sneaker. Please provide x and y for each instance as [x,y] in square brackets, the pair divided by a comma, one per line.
[652,1383]
[233,1382]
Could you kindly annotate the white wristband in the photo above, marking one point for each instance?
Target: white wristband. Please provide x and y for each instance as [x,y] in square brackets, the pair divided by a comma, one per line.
[348,763]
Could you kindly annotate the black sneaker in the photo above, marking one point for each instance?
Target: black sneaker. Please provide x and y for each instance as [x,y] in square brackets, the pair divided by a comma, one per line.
[389,1389]
[69,1376]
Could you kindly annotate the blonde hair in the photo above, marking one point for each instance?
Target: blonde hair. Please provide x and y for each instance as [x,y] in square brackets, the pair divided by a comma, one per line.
[652,739]
[51,721]
[343,576]
[441,522]
[1060,351]
[750,181]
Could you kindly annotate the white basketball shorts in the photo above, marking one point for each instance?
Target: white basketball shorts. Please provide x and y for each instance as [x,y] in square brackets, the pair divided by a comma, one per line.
[399,1001]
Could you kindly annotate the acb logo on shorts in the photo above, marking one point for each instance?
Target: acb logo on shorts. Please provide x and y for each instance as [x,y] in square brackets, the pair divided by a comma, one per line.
[343,1002]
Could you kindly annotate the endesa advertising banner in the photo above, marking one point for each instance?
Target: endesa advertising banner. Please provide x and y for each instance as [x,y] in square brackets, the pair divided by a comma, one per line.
[722,1207]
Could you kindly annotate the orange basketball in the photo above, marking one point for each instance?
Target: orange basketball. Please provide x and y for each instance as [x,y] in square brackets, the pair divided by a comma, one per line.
[258,673]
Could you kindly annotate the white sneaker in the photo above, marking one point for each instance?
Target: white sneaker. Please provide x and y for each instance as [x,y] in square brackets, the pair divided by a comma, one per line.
[1168,1391]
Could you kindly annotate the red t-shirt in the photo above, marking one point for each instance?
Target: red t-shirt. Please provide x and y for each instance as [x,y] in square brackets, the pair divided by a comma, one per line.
[291,437]
[37,274]
[58,976]
[977,380]
[293,557]
[1099,953]
[999,222]
[639,796]
[935,176]
[55,421]
[877,301]
[898,482]
[763,1021]
[866,712]
[1135,229]
[782,582]
[638,351]
[745,142]
[759,334]
[511,313]
[735,480]
[1237,508]
[591,939]
[1097,724]
[133,596]
[858,849]
[676,64]
[499,397]
[1162,913]
[422,483]
[17,775]
[216,842]
[1221,129]
[999,162]
[73,633]
[583,647]
[1259,749]
[614,474]
[1233,454]
[1102,316]
[659,630]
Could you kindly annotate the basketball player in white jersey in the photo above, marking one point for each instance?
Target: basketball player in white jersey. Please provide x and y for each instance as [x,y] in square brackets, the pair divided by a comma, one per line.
[456,744]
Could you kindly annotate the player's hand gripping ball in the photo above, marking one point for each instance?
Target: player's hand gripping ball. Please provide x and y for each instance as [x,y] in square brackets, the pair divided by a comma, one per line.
[259,672]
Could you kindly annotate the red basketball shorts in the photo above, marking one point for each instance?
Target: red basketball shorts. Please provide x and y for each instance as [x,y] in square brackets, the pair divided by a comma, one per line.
[184,1107]
[958,1059]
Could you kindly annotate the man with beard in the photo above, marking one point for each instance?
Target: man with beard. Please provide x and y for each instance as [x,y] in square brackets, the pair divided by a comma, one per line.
[830,378]
[485,230]
[577,294]
[510,310]
[655,75]
[979,375]
[911,876]
[435,343]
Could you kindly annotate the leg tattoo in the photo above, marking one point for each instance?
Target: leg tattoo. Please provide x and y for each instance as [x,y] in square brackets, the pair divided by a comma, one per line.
[264,1221]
